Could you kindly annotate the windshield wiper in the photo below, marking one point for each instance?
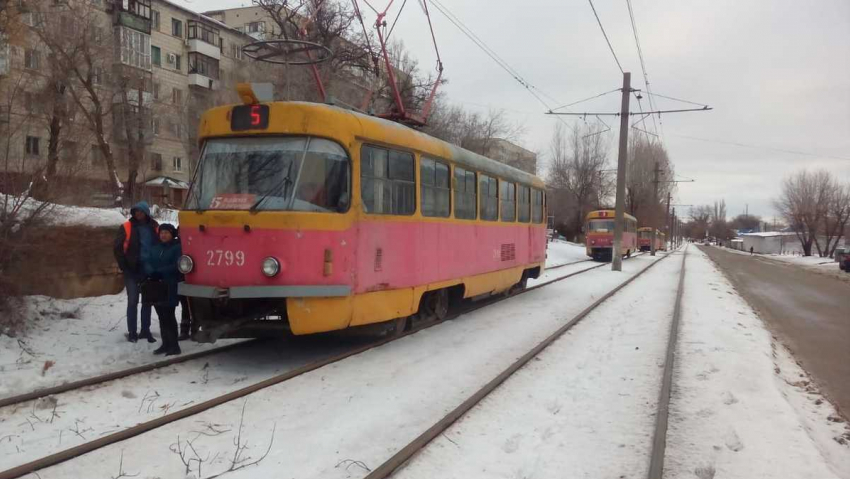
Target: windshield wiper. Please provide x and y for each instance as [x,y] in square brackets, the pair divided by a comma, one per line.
[284,183]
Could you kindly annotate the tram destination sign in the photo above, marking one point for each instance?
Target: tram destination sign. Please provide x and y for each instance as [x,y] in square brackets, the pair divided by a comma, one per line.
[249,117]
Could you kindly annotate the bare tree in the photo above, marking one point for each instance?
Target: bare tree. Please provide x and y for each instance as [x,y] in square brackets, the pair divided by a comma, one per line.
[804,203]
[836,218]
[86,56]
[578,159]
[643,198]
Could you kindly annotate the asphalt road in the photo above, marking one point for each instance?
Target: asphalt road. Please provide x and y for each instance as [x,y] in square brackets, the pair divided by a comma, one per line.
[809,312]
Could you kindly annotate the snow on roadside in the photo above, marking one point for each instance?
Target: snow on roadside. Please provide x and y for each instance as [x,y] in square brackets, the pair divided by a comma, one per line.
[73,339]
[330,422]
[62,215]
[814,264]
[731,414]
[562,252]
[585,405]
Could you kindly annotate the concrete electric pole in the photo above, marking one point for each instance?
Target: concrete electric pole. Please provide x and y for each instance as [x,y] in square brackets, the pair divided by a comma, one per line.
[620,203]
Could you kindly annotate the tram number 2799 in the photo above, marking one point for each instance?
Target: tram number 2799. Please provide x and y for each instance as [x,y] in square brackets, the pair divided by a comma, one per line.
[222,257]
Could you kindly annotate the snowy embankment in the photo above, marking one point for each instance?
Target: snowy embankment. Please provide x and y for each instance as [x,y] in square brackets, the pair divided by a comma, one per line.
[814,264]
[329,422]
[69,340]
[563,252]
[741,407]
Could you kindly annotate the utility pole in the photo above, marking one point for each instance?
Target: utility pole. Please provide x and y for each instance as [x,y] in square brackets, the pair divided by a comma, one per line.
[654,216]
[620,204]
[668,220]
[673,224]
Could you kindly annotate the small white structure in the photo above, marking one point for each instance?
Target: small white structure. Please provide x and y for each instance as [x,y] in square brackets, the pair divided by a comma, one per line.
[772,242]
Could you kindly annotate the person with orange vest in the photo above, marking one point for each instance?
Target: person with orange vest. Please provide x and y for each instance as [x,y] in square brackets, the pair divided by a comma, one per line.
[133,245]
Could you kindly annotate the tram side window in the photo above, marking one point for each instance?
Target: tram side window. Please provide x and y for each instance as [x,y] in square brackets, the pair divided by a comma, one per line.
[489,202]
[387,183]
[537,206]
[523,200]
[434,191]
[507,198]
[464,194]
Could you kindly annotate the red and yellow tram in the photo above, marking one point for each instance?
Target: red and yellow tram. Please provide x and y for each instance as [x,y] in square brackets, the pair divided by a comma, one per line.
[599,235]
[308,218]
[645,239]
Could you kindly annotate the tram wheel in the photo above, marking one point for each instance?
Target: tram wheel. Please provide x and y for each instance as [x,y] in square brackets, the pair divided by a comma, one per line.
[435,305]
[399,326]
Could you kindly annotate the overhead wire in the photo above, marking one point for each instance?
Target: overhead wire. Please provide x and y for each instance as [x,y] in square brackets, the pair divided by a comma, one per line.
[502,63]
[587,99]
[761,147]
[642,62]
[610,47]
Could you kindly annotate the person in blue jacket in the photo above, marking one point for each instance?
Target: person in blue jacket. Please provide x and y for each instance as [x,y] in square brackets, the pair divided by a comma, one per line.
[161,265]
[132,247]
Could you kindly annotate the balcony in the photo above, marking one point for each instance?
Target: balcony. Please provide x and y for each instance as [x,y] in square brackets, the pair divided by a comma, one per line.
[197,45]
[204,39]
[198,80]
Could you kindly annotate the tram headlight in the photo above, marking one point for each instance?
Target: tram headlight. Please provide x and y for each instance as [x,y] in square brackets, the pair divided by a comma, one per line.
[271,266]
[185,264]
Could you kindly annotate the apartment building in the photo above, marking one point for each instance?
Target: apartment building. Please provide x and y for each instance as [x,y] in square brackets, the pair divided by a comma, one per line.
[165,66]
[506,152]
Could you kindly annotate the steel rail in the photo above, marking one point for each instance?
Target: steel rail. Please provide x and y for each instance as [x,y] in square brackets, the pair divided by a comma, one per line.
[659,440]
[66,387]
[411,449]
[133,431]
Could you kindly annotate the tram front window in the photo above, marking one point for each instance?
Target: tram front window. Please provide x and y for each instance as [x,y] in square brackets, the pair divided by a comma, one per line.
[272,174]
[601,226]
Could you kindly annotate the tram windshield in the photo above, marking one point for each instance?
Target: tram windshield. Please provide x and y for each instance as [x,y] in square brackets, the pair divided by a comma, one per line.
[601,226]
[272,174]
[644,234]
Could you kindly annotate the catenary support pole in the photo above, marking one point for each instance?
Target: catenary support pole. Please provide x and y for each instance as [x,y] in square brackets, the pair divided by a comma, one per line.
[654,222]
[620,204]
[668,222]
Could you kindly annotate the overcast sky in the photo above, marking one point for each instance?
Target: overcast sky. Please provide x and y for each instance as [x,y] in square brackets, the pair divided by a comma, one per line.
[776,72]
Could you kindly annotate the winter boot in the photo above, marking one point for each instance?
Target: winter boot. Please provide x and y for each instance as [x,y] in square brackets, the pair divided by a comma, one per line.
[147,335]
[132,337]
[175,350]
[160,350]
[184,333]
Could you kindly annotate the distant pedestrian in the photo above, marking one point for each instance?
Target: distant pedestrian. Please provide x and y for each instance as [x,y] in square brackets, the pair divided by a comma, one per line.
[751,250]
[163,267]
[132,246]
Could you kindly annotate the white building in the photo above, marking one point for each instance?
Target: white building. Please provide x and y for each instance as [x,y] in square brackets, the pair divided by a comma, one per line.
[772,242]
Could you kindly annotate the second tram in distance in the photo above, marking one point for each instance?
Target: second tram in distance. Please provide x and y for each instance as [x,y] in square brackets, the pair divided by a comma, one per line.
[599,235]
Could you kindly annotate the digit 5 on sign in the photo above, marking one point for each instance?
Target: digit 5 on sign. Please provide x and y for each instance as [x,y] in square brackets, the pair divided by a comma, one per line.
[225,257]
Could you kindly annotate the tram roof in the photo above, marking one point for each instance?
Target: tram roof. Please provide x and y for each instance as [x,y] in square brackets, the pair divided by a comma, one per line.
[380,131]
[606,215]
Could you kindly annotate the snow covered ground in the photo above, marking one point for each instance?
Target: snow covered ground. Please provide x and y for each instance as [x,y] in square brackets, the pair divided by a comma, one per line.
[814,264]
[741,407]
[73,339]
[333,421]
[562,252]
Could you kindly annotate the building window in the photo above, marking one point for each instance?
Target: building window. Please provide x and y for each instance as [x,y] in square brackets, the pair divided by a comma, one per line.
[135,48]
[507,198]
[203,65]
[156,56]
[155,91]
[255,27]
[97,34]
[464,194]
[69,151]
[388,185]
[176,28]
[177,96]
[523,204]
[141,8]
[489,201]
[236,51]
[97,75]
[155,125]
[177,164]
[32,145]
[32,59]
[177,129]
[96,156]
[178,62]
[155,19]
[156,162]
[203,32]
[537,206]
[434,188]
[4,114]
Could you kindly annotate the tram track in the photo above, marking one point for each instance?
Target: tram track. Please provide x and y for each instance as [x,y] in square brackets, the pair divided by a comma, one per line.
[192,410]
[406,453]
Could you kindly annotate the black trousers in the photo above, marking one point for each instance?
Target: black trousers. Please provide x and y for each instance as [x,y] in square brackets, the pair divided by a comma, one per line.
[185,318]
[167,325]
